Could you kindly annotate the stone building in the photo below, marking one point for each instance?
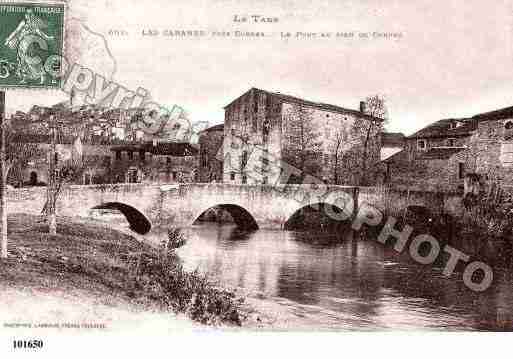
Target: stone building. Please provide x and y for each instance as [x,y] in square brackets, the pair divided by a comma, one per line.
[167,162]
[442,154]
[210,167]
[259,125]
[92,160]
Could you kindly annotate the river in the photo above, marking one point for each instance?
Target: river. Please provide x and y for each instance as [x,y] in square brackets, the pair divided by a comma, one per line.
[311,282]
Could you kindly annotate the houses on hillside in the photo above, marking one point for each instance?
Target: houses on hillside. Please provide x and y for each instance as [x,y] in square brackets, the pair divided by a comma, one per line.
[102,145]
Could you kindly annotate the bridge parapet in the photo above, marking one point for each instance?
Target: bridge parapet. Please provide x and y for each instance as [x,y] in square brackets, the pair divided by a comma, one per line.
[181,204]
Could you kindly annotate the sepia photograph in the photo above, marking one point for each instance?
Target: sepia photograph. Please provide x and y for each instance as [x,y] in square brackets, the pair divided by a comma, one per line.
[205,169]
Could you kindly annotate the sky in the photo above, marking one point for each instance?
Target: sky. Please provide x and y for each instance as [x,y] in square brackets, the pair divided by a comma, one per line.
[453,58]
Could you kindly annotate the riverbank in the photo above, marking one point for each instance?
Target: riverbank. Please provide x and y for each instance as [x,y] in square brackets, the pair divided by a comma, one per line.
[95,276]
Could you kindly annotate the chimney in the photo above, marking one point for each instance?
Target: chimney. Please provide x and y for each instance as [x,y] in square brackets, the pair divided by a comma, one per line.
[362,106]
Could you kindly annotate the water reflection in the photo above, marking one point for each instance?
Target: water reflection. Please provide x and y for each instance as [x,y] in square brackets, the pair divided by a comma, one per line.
[343,282]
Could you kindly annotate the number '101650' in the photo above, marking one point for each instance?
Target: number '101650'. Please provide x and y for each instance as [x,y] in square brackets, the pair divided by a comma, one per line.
[27,344]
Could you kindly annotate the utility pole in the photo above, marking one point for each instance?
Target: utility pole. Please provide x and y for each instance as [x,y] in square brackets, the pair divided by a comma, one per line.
[3,200]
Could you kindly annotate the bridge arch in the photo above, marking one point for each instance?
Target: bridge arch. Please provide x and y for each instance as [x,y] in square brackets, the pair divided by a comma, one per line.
[241,216]
[138,221]
[328,215]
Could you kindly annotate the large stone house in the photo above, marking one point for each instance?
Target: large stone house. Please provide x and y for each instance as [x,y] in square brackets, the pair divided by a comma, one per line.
[258,129]
[440,155]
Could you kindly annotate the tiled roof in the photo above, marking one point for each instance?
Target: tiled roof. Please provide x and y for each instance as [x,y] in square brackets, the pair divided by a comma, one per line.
[396,156]
[39,138]
[443,128]
[441,153]
[503,113]
[177,149]
[219,127]
[387,152]
[173,149]
[392,139]
[319,105]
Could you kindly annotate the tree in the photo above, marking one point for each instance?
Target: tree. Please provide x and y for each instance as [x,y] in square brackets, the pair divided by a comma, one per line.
[368,132]
[14,154]
[61,175]
[18,153]
[302,147]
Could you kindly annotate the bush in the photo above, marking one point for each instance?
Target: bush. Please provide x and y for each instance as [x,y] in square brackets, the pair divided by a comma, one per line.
[164,280]
[493,219]
[176,239]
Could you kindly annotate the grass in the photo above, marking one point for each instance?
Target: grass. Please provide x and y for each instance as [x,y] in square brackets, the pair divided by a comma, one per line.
[101,260]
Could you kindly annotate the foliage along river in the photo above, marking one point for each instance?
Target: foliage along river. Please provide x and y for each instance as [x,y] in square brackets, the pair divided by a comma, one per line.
[344,284]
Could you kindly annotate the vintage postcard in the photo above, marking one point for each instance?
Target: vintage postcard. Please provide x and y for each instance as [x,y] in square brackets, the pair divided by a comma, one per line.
[195,167]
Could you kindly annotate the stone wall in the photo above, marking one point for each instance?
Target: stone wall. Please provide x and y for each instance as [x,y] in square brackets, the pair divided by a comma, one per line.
[493,151]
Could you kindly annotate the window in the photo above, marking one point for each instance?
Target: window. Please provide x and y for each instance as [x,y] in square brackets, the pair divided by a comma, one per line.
[130,155]
[509,125]
[244,160]
[265,180]
[265,129]
[142,155]
[118,155]
[232,176]
[106,161]
[244,179]
[168,160]
[204,158]
[254,123]
[174,175]
[451,142]
[421,145]
[461,170]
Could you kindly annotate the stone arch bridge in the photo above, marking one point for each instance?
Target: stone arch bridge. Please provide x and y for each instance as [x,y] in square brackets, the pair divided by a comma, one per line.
[252,206]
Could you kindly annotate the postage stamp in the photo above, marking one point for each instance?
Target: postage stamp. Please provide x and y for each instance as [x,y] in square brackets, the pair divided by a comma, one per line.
[31,39]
